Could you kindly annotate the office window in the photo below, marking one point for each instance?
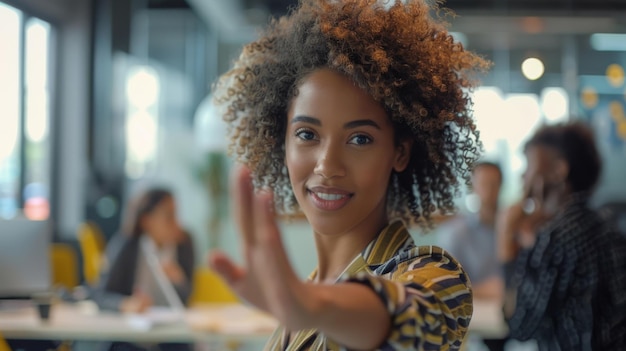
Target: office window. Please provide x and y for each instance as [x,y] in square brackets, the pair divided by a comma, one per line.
[25,114]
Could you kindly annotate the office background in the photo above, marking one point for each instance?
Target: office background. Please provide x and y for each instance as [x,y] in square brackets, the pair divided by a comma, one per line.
[99,98]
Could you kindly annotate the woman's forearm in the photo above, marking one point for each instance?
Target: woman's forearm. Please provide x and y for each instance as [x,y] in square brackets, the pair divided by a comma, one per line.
[351,314]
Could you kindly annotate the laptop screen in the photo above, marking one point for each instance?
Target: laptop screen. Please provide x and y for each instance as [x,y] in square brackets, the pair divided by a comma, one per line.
[24,257]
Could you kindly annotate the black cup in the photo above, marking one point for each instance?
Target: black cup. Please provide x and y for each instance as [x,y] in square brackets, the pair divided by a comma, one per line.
[44,304]
[44,310]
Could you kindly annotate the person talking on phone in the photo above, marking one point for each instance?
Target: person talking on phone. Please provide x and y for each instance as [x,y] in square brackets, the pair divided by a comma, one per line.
[564,270]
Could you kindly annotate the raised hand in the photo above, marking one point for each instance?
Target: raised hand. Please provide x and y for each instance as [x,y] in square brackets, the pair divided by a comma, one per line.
[266,278]
[518,224]
[137,303]
[173,272]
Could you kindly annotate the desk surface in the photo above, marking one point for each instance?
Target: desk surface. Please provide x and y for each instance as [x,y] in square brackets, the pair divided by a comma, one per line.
[71,322]
[221,323]
[488,321]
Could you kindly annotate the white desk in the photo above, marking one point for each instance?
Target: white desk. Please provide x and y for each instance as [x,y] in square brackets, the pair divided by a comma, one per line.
[211,323]
[487,320]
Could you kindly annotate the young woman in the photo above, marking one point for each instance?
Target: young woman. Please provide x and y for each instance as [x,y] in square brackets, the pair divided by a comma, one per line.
[357,114]
[150,233]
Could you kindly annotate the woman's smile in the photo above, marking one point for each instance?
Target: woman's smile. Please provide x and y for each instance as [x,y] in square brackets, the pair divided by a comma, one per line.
[329,199]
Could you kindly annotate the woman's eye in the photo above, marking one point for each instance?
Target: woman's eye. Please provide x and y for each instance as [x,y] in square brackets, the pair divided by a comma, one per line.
[360,139]
[305,134]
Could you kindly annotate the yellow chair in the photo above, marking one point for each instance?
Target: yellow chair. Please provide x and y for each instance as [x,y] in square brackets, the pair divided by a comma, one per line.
[3,344]
[209,287]
[92,245]
[64,262]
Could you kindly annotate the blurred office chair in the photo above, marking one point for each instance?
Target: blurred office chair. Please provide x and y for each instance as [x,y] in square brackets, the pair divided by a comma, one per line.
[3,344]
[208,287]
[64,265]
[92,245]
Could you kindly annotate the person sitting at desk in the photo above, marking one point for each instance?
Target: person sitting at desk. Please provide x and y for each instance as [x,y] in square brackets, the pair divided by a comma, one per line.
[150,228]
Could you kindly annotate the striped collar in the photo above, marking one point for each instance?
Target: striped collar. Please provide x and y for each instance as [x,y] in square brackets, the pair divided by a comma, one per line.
[386,245]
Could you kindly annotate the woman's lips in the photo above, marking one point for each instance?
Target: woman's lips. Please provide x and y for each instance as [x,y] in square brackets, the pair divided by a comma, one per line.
[329,199]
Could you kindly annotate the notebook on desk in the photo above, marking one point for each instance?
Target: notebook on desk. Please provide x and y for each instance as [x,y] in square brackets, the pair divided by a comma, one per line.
[154,317]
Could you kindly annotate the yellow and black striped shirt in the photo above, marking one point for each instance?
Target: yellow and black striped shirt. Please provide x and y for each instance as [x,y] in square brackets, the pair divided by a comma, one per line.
[425,289]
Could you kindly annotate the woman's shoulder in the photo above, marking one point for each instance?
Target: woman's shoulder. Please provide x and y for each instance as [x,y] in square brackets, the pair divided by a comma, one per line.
[121,242]
[428,255]
[425,263]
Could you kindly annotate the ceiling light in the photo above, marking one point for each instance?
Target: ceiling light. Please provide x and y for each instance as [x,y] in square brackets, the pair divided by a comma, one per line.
[532,68]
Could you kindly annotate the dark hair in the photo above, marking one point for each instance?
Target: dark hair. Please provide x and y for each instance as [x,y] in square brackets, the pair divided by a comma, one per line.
[488,164]
[402,57]
[575,143]
[141,205]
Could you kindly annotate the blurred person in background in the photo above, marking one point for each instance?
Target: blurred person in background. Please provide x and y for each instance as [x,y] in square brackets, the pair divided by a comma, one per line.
[471,237]
[564,266]
[150,227]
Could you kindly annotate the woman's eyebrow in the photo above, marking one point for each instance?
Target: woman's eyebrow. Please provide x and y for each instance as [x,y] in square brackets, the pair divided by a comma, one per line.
[360,123]
[306,119]
[349,125]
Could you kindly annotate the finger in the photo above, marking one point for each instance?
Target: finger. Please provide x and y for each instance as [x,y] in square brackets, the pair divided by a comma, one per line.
[226,268]
[264,214]
[268,233]
[242,190]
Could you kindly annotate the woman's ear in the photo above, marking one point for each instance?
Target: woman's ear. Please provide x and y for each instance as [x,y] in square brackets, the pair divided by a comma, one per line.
[403,155]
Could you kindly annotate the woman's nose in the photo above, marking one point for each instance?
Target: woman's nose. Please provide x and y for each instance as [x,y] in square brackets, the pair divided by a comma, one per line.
[330,162]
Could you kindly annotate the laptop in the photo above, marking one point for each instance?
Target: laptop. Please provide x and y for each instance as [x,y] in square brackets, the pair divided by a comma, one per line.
[168,307]
[24,258]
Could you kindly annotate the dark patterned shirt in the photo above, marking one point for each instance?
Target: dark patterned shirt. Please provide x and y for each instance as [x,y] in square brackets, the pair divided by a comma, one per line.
[570,286]
[426,292]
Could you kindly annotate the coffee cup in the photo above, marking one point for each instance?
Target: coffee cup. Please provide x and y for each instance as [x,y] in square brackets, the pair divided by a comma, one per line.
[43,301]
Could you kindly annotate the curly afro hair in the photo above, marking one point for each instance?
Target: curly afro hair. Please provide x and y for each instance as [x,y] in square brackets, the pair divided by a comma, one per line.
[576,144]
[402,56]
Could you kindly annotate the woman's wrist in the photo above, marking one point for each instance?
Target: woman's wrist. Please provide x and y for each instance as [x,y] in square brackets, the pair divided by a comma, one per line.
[310,302]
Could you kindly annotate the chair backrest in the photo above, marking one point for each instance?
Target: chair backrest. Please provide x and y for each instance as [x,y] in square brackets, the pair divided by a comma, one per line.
[209,287]
[3,344]
[92,245]
[64,262]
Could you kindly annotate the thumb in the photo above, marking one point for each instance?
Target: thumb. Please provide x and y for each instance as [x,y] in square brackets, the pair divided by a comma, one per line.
[225,267]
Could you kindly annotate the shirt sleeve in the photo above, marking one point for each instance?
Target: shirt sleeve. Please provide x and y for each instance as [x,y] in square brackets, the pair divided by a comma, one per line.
[430,306]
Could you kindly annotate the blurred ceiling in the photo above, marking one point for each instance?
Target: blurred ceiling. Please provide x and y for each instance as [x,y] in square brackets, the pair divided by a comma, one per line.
[512,23]
[278,7]
[505,31]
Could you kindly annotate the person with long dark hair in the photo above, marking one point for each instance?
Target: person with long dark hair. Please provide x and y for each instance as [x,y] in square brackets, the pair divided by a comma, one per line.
[150,233]
[151,223]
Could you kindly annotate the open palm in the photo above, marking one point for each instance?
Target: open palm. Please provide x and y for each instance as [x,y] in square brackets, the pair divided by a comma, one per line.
[266,278]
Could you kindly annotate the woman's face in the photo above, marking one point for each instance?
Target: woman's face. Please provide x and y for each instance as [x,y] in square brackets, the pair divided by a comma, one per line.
[162,224]
[340,153]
